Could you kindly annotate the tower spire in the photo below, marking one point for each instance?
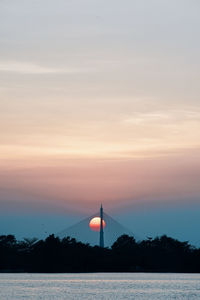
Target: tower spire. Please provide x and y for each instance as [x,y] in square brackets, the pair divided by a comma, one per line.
[101,240]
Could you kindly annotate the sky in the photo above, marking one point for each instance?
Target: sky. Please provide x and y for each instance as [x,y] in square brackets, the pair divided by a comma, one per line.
[99,103]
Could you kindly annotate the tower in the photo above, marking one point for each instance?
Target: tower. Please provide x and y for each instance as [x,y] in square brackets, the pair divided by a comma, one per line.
[101,240]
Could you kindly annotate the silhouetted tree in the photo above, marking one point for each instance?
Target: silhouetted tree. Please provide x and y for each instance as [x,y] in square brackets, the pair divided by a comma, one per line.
[162,254]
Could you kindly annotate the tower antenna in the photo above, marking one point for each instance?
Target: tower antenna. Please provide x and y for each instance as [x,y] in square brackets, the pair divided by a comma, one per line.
[101,240]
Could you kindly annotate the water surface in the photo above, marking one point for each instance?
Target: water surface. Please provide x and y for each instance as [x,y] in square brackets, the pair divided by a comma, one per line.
[140,286]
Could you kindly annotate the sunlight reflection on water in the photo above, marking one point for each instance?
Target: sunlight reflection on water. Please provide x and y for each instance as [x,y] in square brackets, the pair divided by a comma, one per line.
[100,286]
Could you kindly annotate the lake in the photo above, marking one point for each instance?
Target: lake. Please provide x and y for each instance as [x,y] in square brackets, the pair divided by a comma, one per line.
[140,286]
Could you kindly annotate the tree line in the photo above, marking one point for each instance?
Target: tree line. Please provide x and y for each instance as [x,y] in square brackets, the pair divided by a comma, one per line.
[161,254]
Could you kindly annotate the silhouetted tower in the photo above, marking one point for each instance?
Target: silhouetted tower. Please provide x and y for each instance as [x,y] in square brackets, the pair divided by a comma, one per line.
[101,240]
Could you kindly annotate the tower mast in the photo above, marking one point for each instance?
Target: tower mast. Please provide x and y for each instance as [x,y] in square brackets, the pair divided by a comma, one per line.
[101,241]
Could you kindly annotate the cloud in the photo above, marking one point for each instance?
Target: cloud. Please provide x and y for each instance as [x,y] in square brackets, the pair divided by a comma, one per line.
[165,117]
[32,68]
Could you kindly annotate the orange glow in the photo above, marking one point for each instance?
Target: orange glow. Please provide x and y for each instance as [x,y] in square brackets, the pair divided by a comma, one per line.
[95,224]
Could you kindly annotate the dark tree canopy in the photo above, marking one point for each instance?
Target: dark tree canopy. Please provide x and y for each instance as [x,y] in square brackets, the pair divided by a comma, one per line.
[162,254]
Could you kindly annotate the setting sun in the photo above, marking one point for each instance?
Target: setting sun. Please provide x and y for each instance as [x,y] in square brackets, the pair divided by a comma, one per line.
[95,224]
